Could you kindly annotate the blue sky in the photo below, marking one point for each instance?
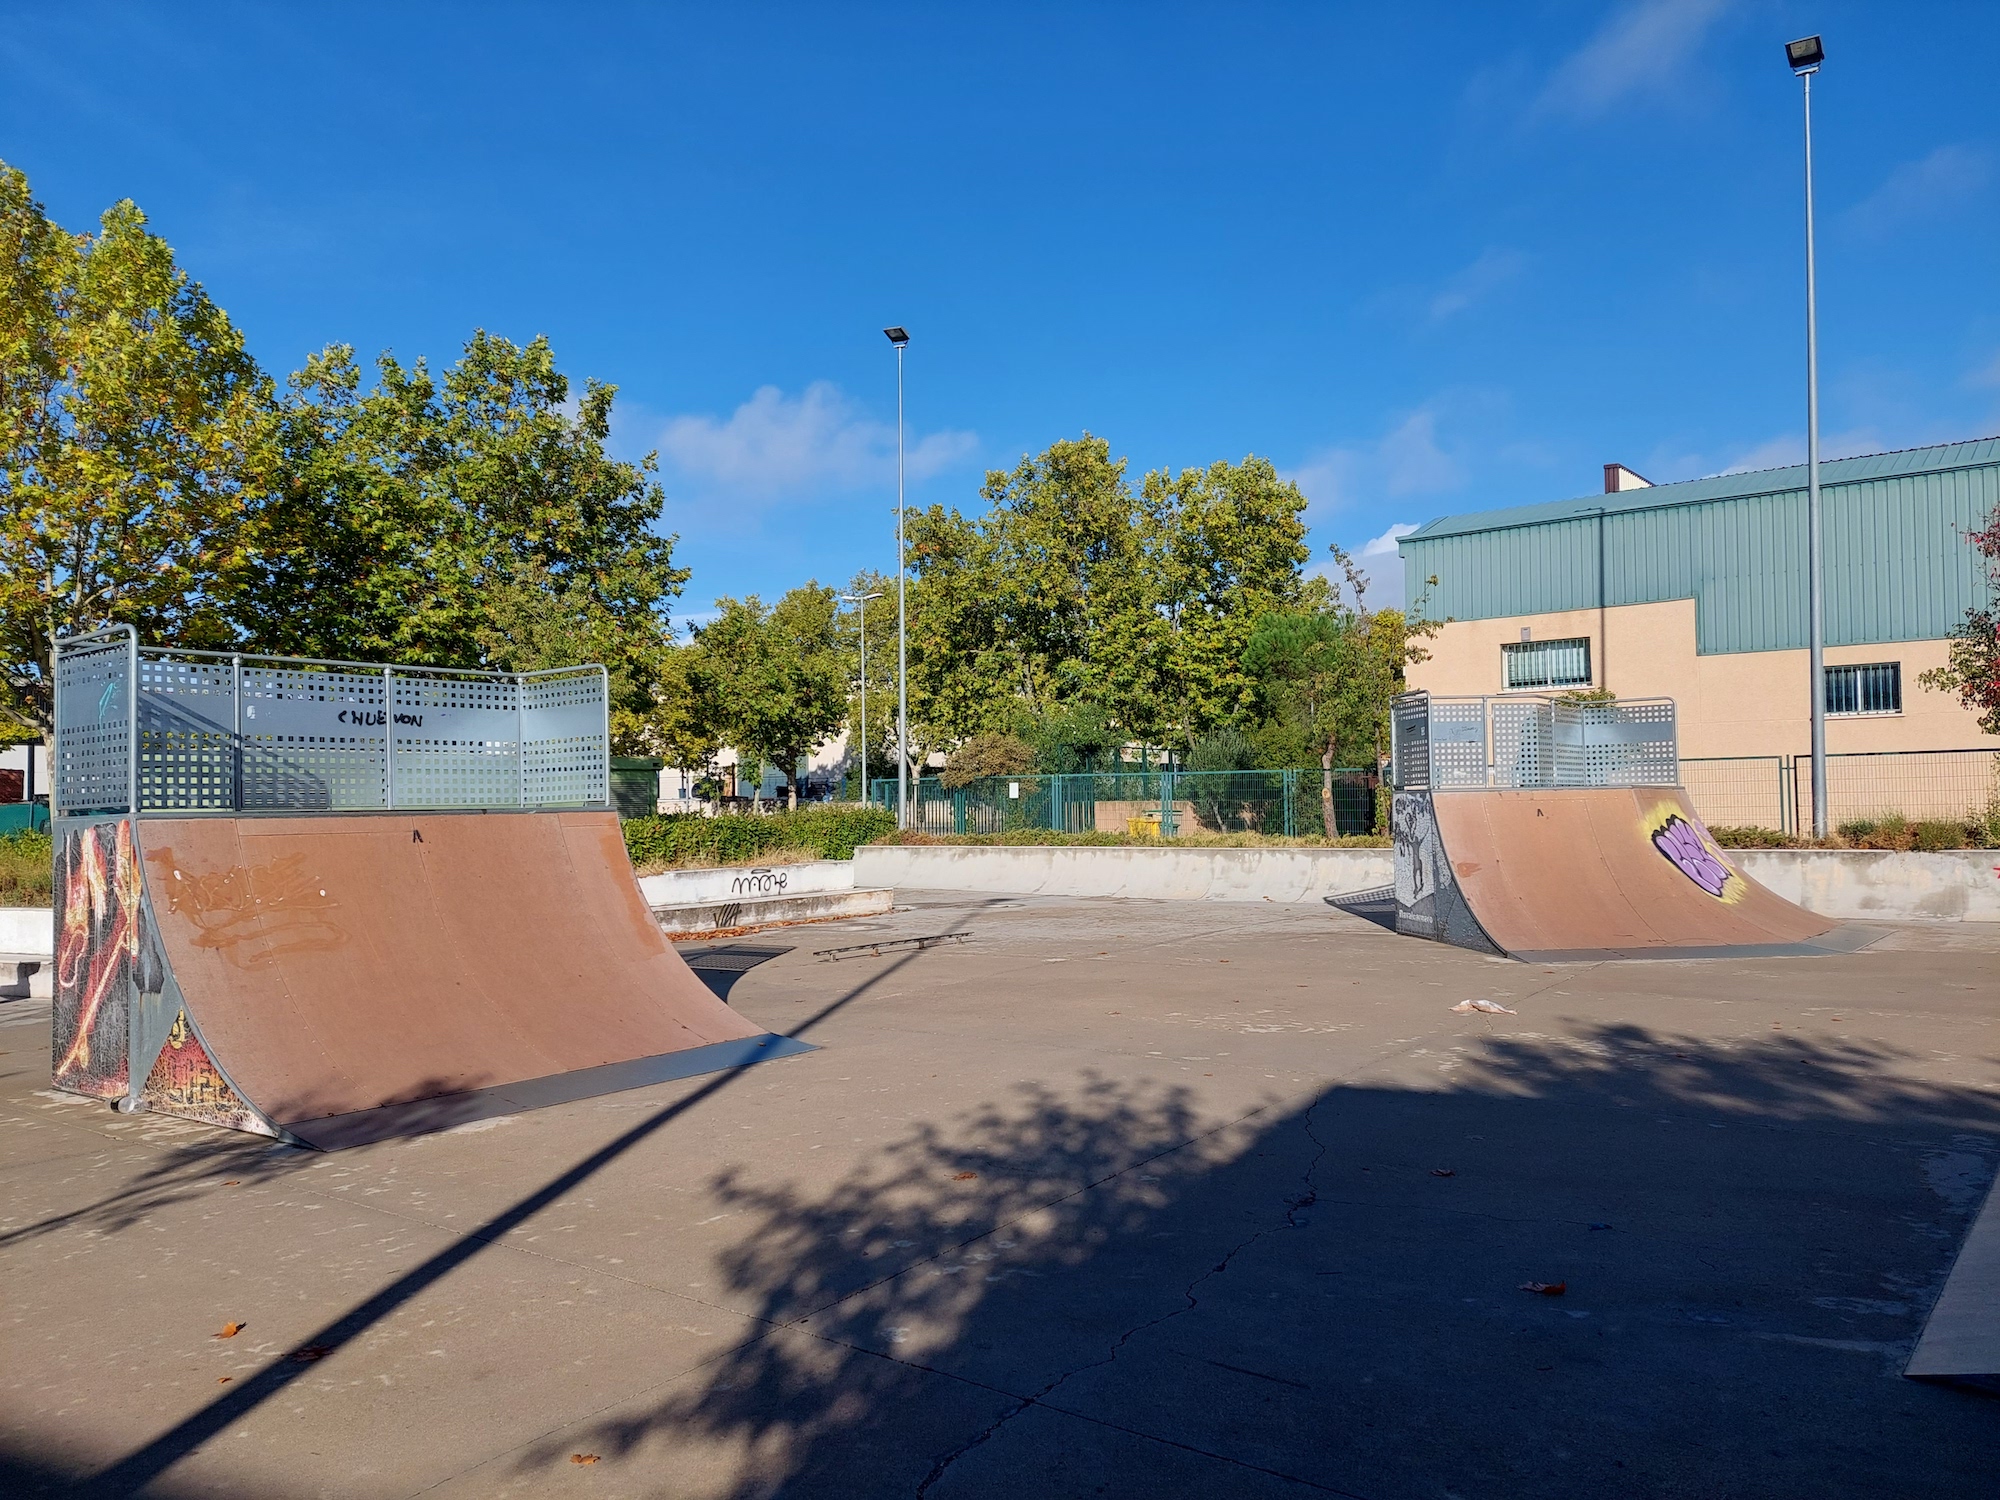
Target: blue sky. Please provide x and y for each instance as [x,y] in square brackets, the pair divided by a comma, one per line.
[1426,259]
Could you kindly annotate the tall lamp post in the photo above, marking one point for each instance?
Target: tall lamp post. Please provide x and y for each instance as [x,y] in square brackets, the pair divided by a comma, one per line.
[862,600]
[901,339]
[1805,55]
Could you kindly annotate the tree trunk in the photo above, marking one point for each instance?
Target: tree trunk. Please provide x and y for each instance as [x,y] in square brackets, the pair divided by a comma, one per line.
[1326,791]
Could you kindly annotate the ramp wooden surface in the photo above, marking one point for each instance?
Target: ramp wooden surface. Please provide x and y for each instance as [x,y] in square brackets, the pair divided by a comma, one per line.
[339,965]
[1613,871]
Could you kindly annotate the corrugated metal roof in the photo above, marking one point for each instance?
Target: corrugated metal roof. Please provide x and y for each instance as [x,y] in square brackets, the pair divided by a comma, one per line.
[1939,457]
[1898,567]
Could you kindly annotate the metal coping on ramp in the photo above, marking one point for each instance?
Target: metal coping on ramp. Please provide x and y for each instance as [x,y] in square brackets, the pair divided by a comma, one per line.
[445,1111]
[1960,1343]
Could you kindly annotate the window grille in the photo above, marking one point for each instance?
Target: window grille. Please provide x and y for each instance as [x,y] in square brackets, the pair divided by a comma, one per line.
[1548,664]
[1873,689]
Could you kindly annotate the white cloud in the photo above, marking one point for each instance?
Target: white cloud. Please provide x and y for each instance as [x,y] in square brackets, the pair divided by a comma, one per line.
[1405,460]
[1642,49]
[1924,189]
[1383,566]
[817,440]
[1789,448]
[1493,270]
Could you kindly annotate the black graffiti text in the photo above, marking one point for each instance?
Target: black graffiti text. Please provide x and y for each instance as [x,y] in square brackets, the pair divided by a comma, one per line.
[375,718]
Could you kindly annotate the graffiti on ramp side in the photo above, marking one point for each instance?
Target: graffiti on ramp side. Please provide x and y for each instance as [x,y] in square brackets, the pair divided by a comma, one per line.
[1688,848]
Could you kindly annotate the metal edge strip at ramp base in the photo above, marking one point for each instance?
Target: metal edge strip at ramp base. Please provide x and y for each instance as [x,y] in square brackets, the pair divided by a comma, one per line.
[1848,937]
[444,1111]
[1961,1338]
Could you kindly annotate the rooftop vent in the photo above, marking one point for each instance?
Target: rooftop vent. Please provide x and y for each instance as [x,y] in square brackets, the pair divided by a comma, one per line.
[1617,477]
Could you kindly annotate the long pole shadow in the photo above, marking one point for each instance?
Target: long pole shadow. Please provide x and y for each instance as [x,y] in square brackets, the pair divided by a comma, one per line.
[140,1468]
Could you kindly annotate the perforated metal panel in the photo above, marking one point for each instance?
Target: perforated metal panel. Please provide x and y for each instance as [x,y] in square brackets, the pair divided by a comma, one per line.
[457,741]
[1523,745]
[93,760]
[187,733]
[565,754]
[313,739]
[219,733]
[1529,741]
[1458,742]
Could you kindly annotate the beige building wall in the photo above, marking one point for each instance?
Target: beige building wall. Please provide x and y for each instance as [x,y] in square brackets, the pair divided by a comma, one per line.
[1740,703]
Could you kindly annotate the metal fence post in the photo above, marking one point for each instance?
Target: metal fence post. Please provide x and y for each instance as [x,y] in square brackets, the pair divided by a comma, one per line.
[132,722]
[521,742]
[236,734]
[389,738]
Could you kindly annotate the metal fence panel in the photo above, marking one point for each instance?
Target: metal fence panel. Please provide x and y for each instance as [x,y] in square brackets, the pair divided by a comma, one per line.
[1283,803]
[1524,740]
[1948,785]
[218,732]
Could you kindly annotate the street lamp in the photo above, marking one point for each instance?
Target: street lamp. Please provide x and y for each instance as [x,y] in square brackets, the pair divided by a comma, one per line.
[901,339]
[1804,57]
[862,600]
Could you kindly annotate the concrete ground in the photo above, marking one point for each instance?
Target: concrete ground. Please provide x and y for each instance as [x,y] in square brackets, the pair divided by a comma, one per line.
[1116,1198]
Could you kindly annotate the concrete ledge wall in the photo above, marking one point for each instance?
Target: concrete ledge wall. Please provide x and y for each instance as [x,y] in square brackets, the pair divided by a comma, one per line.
[746,882]
[1158,874]
[1956,885]
[812,906]
[27,930]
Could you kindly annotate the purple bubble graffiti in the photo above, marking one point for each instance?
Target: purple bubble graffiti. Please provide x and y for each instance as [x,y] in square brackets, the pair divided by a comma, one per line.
[1677,839]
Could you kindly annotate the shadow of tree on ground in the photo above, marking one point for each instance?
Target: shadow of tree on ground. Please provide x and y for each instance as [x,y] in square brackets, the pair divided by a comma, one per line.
[1086,1291]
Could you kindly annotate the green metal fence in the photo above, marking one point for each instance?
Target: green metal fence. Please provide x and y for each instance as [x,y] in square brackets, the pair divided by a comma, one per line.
[1172,803]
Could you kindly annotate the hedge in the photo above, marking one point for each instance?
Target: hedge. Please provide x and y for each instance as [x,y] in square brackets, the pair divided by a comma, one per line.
[26,875]
[740,838]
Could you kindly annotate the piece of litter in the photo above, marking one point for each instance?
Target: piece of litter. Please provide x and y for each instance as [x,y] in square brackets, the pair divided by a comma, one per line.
[224,1379]
[1485,1007]
[1444,1171]
[230,1330]
[583,1458]
[1546,1288]
[963,1176]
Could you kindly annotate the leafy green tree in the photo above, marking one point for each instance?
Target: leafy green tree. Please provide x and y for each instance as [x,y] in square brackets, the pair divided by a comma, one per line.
[776,678]
[1228,548]
[1330,673]
[136,437]
[988,755]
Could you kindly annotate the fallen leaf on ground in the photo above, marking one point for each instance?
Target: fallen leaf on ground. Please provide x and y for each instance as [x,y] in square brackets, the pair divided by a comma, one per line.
[1487,1007]
[1444,1171]
[583,1458]
[230,1330]
[224,1379]
[234,1182]
[308,1354]
[1546,1288]
[963,1176]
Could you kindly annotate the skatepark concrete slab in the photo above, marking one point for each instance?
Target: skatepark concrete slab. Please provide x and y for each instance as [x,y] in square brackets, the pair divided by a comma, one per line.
[1787,1153]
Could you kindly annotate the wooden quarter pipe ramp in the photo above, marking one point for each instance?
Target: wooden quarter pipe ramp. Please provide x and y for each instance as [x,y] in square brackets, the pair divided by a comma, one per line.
[339,979]
[1587,873]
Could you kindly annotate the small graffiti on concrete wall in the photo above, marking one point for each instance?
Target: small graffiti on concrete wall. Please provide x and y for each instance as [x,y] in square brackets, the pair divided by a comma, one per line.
[99,934]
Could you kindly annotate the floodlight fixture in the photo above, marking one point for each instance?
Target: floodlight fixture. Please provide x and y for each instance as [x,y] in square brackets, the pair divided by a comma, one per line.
[1805,54]
[897,336]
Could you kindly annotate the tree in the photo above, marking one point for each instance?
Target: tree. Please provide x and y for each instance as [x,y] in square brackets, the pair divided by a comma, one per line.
[878,690]
[988,755]
[136,439]
[775,678]
[1973,668]
[420,515]
[1331,673]
[1228,549]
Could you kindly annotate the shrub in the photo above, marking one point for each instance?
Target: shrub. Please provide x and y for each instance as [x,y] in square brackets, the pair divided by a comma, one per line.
[988,755]
[1938,833]
[27,876]
[741,838]
[1753,838]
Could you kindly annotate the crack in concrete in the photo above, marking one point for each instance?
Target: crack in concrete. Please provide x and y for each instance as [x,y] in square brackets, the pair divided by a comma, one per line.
[1304,1198]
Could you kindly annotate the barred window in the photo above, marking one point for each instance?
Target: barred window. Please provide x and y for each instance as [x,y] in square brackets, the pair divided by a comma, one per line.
[1546,664]
[1873,689]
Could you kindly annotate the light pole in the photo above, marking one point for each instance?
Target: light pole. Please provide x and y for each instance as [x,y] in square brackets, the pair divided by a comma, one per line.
[901,339]
[1805,56]
[862,600]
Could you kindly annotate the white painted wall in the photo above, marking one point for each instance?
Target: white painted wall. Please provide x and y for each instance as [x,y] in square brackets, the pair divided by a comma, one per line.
[745,883]
[1160,874]
[1957,885]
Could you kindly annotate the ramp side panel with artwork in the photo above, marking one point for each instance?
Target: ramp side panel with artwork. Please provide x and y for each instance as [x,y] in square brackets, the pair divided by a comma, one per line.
[1429,902]
[1606,870]
[345,964]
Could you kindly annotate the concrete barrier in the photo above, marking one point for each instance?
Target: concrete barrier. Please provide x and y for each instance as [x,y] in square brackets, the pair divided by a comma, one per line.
[746,882]
[29,930]
[1157,874]
[771,911]
[1954,885]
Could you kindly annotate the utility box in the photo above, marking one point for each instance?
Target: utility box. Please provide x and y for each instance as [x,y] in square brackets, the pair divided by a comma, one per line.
[635,785]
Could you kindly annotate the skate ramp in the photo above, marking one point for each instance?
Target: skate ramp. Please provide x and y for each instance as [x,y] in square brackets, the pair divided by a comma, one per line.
[1589,873]
[341,979]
